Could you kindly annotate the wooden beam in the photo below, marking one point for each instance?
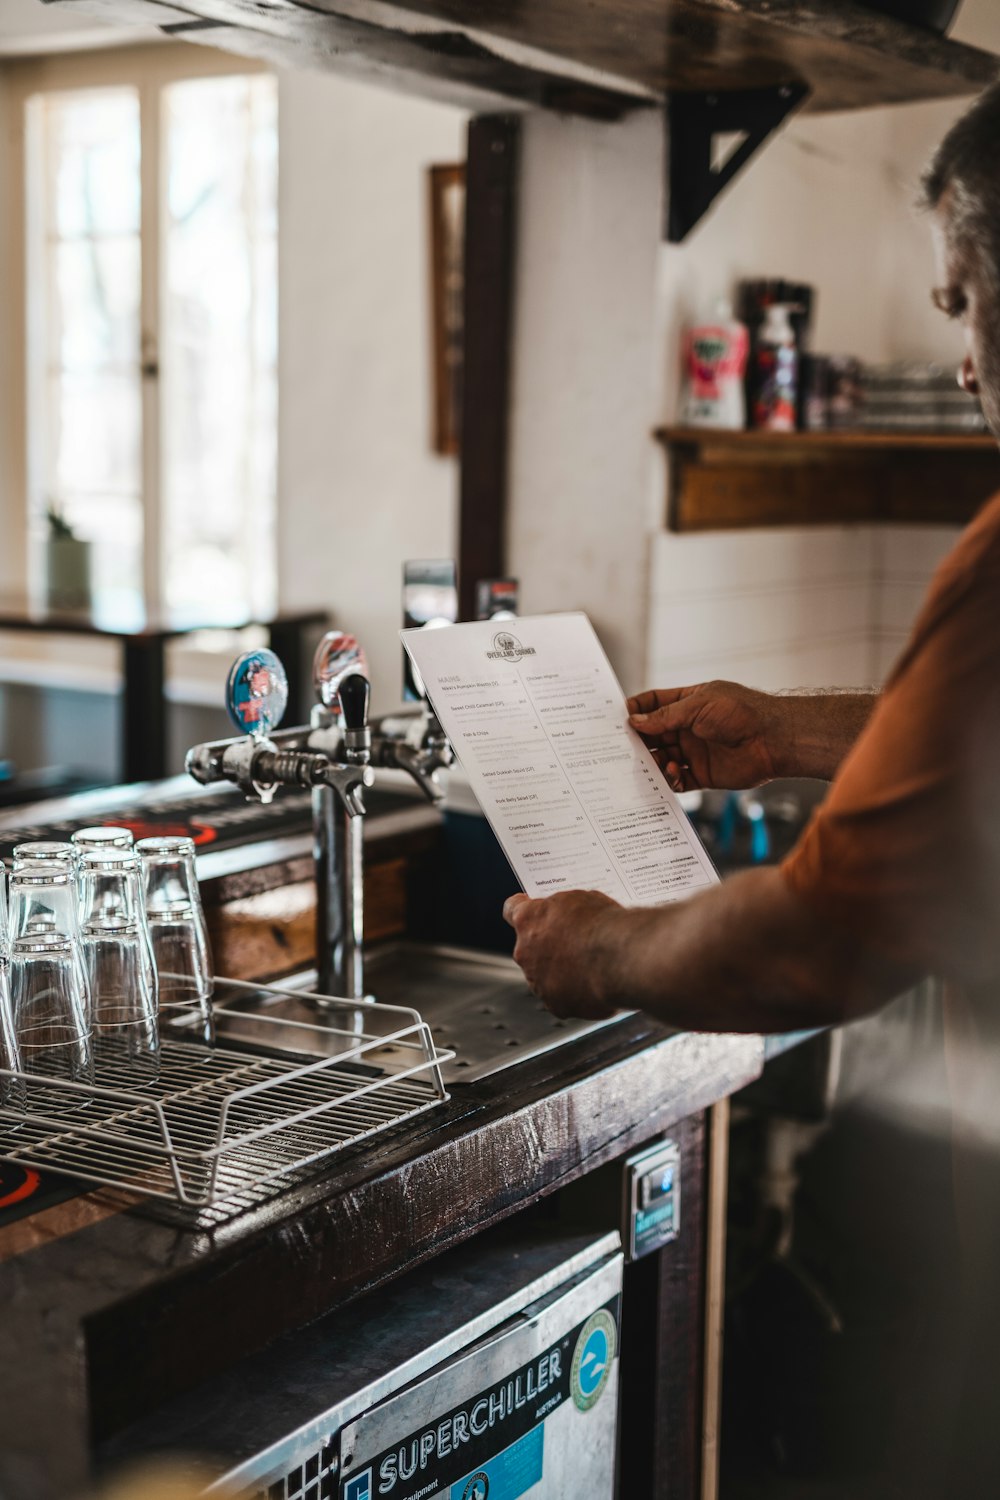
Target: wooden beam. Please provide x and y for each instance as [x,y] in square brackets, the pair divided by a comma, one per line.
[492,171]
[596,57]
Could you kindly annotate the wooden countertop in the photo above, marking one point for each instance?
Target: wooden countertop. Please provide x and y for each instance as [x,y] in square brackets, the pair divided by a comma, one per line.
[110,1312]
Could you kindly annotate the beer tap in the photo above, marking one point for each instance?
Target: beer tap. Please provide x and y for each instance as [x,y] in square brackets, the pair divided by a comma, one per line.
[340,727]
[334,764]
[332,757]
[418,746]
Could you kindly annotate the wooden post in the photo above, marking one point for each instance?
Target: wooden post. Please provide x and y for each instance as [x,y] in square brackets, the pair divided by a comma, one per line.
[490,218]
[715,1290]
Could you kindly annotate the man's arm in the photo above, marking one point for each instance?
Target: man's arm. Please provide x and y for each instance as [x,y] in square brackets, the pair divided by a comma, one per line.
[719,734]
[749,955]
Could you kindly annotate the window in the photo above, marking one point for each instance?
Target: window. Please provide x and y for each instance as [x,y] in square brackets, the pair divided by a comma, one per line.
[151,270]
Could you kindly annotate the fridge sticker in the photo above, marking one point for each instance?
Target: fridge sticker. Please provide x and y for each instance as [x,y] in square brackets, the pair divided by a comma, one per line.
[592,1357]
[507,1476]
[486,1448]
[359,1487]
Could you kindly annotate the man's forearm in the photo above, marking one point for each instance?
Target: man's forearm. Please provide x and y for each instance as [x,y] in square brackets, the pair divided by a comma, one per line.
[818,730]
[746,956]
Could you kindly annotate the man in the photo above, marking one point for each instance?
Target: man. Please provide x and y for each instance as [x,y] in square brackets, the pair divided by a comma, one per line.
[898,874]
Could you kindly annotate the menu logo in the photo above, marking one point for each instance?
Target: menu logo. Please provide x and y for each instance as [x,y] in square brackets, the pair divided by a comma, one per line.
[507,647]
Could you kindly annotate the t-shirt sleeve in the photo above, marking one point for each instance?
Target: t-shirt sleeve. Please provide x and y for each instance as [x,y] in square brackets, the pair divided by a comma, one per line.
[904,854]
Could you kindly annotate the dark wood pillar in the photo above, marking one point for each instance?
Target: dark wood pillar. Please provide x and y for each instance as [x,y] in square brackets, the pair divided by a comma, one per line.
[663,1343]
[490,225]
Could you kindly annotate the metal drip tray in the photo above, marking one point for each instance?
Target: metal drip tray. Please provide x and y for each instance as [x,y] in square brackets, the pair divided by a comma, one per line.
[476,1004]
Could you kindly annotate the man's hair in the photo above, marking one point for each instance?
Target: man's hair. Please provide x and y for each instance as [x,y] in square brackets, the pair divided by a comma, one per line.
[966,166]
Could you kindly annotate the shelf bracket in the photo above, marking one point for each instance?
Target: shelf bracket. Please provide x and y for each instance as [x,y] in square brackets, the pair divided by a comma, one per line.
[695,121]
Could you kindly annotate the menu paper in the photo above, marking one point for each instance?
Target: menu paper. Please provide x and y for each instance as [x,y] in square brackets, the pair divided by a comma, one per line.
[538,721]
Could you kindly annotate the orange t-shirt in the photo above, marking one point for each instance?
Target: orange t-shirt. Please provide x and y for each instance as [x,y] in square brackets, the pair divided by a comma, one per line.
[904,855]
[905,851]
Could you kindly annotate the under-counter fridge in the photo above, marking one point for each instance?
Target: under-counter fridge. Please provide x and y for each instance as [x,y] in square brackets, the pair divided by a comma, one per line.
[488,1374]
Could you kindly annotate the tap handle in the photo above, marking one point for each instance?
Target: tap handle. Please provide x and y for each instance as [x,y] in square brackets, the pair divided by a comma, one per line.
[354,692]
[337,655]
[256,693]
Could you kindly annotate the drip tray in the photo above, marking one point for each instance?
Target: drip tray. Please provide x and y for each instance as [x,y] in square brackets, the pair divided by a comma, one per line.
[476,1004]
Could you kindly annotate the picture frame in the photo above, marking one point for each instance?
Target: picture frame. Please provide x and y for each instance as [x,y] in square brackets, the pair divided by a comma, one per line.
[447,234]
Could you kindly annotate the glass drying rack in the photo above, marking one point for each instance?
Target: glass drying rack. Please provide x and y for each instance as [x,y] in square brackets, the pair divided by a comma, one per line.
[222,1129]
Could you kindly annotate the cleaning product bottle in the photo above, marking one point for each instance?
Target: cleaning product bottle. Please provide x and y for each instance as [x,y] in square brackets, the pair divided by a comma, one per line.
[715,356]
[774,373]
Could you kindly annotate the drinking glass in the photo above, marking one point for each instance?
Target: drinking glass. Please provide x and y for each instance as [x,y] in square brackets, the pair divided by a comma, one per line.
[124,1005]
[177,929]
[99,837]
[11,1089]
[44,852]
[44,902]
[50,1017]
[111,896]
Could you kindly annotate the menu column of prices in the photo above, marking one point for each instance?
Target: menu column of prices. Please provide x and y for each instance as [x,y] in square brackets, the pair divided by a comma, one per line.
[538,721]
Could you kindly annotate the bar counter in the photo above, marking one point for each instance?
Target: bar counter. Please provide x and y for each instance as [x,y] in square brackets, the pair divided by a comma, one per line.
[112,1311]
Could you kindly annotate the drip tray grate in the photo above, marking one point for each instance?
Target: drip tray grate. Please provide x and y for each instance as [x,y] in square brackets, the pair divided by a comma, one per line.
[221,1129]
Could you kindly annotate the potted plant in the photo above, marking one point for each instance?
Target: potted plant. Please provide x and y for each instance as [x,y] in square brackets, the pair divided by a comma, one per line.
[67,564]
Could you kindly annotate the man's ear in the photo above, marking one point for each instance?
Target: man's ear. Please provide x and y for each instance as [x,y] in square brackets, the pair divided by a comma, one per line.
[967,376]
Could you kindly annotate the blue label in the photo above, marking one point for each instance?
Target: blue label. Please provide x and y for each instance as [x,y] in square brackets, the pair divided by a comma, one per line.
[359,1487]
[593,1362]
[508,1475]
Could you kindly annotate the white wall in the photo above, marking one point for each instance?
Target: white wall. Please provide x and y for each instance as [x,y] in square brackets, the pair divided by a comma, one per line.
[6,339]
[584,355]
[359,487]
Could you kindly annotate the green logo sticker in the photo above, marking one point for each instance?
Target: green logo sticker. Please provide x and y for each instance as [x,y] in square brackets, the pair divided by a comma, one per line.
[592,1357]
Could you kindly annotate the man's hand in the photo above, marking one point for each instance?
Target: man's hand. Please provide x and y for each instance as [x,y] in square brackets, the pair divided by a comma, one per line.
[716,734]
[719,734]
[564,947]
[748,955]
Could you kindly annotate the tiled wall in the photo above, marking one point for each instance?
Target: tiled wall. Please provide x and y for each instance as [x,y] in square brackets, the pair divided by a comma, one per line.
[787,608]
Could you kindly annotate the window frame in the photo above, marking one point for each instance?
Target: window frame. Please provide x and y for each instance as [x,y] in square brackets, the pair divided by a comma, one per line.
[149,70]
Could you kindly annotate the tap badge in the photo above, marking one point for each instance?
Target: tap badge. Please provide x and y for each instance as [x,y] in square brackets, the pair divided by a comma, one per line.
[507,647]
[256,692]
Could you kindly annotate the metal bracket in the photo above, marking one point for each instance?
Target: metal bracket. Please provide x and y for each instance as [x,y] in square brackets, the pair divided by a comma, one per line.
[693,122]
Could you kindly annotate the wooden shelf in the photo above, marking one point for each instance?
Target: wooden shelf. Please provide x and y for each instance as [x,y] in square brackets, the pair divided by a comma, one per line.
[591,57]
[728,480]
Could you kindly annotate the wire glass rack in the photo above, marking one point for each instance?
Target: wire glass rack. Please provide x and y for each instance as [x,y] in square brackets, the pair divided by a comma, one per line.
[221,1129]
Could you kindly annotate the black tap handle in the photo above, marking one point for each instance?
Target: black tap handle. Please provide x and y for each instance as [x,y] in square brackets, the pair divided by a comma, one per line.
[354,693]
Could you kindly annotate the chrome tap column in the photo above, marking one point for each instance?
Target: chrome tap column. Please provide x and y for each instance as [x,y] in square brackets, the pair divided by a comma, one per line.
[338,852]
[333,756]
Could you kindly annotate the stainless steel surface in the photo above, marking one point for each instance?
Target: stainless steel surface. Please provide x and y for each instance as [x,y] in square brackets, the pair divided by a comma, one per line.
[222,1129]
[476,1005]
